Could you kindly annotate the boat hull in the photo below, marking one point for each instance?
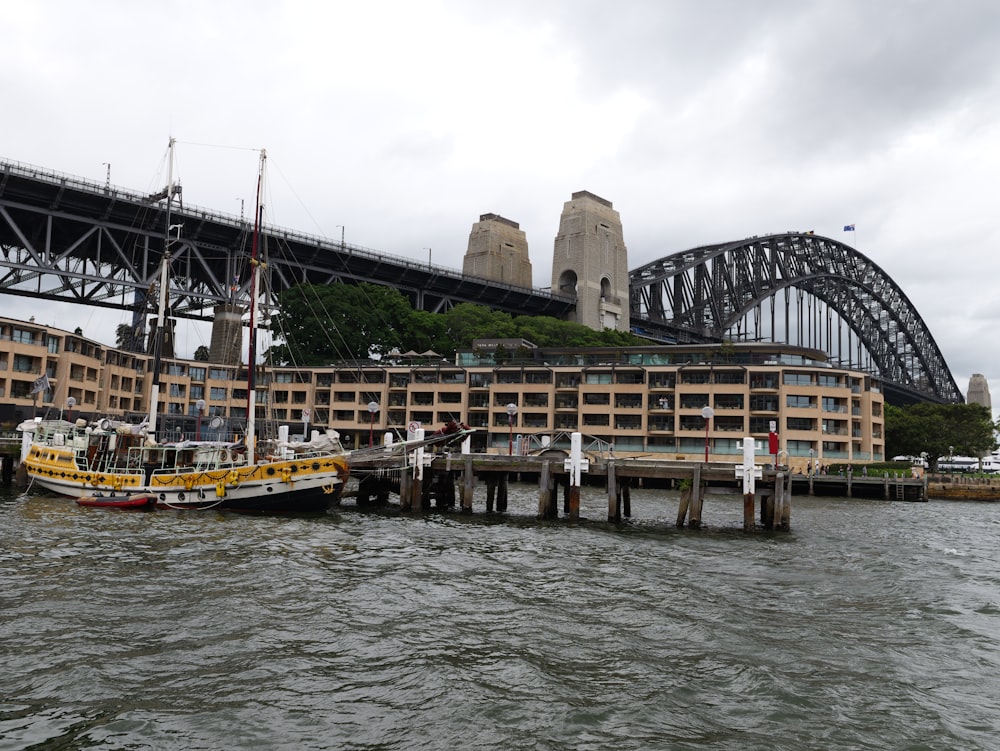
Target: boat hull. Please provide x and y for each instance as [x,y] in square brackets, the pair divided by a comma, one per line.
[305,485]
[140,501]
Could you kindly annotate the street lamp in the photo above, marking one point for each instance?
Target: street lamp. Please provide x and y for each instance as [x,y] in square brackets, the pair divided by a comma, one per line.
[428,257]
[70,403]
[511,414]
[200,406]
[372,409]
[708,413]
[341,226]
[810,468]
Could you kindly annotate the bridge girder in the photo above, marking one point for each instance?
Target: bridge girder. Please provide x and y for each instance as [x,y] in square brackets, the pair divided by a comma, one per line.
[711,289]
[68,239]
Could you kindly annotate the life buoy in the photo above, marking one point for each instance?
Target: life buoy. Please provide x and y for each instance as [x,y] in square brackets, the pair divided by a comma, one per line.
[234,478]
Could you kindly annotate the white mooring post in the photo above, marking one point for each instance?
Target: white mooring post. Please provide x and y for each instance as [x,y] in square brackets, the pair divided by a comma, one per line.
[748,472]
[575,465]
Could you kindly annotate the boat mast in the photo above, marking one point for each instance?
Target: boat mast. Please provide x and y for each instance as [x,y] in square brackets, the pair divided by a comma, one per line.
[161,320]
[255,267]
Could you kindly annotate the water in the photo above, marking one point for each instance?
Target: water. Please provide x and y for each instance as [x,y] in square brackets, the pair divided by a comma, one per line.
[872,625]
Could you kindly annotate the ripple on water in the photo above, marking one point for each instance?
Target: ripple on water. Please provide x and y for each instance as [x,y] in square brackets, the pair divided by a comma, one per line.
[870,625]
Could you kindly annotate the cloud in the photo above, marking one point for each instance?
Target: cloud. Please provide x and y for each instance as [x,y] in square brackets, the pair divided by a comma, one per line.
[400,123]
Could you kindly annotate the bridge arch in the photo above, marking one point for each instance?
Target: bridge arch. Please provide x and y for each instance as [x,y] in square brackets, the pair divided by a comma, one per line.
[818,292]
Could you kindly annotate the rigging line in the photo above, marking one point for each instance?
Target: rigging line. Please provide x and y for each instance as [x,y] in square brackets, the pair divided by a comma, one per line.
[219,146]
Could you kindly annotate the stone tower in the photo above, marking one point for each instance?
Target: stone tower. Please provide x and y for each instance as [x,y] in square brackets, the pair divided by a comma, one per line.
[979,391]
[590,261]
[498,251]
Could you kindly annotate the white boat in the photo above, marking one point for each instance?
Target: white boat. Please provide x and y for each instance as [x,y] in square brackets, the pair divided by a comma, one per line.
[110,460]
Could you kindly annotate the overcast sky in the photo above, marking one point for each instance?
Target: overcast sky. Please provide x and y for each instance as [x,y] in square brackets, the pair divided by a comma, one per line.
[702,121]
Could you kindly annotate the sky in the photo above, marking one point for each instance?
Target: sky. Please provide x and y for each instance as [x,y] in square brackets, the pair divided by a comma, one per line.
[399,122]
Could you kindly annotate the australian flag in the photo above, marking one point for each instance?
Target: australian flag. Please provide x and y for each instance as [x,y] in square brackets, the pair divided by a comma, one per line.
[848,228]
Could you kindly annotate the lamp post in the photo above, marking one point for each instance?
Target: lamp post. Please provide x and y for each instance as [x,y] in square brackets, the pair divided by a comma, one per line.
[428,257]
[70,403]
[341,237]
[200,407]
[372,409]
[708,413]
[511,414]
[810,468]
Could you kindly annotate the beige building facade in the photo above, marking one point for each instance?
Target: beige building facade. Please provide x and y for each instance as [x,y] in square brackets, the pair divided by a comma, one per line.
[642,401]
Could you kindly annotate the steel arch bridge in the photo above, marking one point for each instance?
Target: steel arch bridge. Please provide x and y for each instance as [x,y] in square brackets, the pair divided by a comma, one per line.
[791,287]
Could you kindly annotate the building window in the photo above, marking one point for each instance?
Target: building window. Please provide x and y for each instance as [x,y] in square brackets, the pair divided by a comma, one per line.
[800,402]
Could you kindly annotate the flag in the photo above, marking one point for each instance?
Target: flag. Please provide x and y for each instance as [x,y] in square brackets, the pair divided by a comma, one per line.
[848,228]
[40,384]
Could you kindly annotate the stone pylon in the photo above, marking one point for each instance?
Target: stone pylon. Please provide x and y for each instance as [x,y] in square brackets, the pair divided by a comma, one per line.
[590,262]
[498,251]
[979,391]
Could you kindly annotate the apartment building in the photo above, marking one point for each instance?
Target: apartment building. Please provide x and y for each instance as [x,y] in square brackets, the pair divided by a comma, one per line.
[642,401]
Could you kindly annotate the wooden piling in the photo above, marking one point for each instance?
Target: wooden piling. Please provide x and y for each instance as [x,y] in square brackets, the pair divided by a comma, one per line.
[785,522]
[468,485]
[697,499]
[626,495]
[614,496]
[502,493]
[682,510]
[405,490]
[491,491]
[546,505]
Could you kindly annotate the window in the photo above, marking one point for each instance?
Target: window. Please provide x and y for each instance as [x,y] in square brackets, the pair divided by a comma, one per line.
[790,378]
[800,402]
[694,401]
[220,374]
[175,369]
[22,337]
[24,364]
[197,374]
[177,390]
[53,345]
[730,377]
[800,423]
[217,394]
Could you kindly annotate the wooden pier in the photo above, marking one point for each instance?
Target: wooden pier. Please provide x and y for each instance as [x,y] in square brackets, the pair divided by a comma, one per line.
[451,480]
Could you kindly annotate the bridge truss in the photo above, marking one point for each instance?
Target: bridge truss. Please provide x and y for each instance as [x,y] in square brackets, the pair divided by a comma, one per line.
[72,240]
[799,288]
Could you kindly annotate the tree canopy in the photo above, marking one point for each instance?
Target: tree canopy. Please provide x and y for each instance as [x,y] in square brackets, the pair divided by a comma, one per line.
[320,324]
[939,429]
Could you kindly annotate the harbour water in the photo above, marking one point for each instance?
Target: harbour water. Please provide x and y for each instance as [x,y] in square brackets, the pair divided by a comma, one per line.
[871,625]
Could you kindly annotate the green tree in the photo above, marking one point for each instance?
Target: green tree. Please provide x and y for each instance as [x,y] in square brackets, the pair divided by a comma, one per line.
[201,354]
[938,429]
[467,321]
[320,324]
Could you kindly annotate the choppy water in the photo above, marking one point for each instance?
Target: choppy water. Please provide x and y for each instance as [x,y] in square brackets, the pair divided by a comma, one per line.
[871,625]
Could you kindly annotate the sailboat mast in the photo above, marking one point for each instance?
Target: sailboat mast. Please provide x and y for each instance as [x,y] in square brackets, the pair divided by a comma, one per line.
[255,267]
[161,319]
